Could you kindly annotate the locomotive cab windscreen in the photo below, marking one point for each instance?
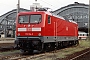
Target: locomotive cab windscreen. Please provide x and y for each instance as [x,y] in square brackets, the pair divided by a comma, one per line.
[36,18]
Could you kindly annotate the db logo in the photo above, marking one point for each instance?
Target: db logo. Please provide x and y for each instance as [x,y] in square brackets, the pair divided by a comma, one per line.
[29,29]
[30,34]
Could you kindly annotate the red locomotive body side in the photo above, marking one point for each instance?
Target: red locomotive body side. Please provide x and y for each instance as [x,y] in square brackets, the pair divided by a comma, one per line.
[59,30]
[60,27]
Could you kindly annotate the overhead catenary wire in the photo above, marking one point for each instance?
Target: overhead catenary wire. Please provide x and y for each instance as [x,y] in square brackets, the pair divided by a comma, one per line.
[48,4]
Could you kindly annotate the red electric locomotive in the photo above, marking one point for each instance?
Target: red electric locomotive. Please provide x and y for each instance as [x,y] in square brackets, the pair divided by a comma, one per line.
[42,30]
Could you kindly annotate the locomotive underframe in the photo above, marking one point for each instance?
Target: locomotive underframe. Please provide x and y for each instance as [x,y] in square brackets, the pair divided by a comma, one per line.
[44,43]
[28,43]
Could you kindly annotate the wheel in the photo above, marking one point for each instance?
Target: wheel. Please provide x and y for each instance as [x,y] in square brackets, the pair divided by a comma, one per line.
[77,42]
[30,51]
[38,48]
[22,51]
[41,47]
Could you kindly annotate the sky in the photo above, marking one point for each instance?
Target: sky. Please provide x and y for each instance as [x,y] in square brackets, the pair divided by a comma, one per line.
[8,5]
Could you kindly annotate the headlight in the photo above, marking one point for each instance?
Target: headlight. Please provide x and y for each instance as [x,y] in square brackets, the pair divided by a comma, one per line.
[39,34]
[18,34]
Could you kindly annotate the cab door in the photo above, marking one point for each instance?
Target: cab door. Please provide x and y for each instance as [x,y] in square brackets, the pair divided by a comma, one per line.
[49,25]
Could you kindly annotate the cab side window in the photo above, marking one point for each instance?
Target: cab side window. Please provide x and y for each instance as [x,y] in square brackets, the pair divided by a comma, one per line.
[49,20]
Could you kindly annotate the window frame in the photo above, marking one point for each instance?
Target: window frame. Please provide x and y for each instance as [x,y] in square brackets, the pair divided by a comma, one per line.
[24,15]
[29,15]
[49,19]
[35,14]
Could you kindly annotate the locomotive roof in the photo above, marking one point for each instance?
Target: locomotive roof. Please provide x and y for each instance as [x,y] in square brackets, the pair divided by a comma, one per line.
[59,17]
[54,15]
[51,14]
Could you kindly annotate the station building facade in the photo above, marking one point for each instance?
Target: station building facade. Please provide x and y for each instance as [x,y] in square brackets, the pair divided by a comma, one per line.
[7,23]
[77,12]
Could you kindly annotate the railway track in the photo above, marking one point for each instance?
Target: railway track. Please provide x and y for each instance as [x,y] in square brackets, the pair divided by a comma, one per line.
[85,57]
[6,49]
[43,56]
[8,54]
[52,55]
[79,56]
[18,56]
[6,44]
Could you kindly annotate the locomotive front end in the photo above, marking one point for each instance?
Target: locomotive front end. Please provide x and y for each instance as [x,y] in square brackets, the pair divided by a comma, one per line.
[29,31]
